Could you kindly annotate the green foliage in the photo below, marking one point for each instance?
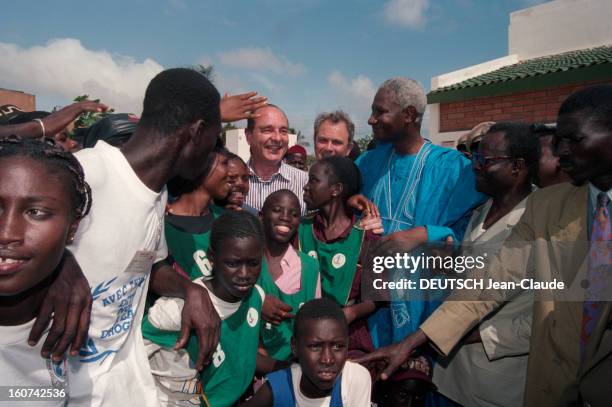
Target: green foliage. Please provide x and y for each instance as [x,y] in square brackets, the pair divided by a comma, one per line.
[363,141]
[89,118]
[310,159]
[301,138]
[206,70]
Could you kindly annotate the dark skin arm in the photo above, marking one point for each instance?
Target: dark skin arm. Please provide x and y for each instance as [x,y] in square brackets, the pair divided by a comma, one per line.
[358,311]
[238,107]
[265,364]
[55,122]
[198,312]
[394,355]
[263,398]
[69,300]
[275,311]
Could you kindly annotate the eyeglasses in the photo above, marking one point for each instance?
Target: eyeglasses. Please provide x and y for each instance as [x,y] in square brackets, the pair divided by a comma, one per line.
[486,160]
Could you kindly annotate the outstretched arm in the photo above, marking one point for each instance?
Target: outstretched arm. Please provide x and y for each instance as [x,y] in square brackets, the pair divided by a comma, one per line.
[53,123]
[238,107]
[198,313]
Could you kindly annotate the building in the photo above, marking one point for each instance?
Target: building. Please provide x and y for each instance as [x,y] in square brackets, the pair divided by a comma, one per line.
[235,141]
[555,49]
[21,100]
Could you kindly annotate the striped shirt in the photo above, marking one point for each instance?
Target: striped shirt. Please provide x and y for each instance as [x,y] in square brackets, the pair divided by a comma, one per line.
[287,177]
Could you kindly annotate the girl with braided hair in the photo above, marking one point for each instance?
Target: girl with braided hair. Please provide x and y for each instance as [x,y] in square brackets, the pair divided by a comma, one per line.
[43,196]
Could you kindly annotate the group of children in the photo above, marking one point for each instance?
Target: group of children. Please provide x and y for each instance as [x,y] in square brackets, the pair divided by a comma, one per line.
[285,287]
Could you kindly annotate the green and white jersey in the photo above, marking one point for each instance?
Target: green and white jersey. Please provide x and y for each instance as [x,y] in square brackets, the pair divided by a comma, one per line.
[189,249]
[337,260]
[277,339]
[233,364]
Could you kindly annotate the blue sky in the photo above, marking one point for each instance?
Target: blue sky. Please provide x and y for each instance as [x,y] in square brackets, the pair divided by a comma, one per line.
[307,56]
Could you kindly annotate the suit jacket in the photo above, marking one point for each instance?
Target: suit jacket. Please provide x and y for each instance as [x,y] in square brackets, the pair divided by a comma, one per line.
[491,372]
[555,222]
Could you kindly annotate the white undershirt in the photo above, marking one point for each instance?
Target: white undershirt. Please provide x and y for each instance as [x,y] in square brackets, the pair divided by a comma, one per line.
[356,387]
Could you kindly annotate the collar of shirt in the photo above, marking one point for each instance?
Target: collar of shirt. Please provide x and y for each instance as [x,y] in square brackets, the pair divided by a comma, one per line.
[318,229]
[283,172]
[290,261]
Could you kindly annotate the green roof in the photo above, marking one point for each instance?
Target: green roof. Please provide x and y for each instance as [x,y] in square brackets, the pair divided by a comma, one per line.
[536,67]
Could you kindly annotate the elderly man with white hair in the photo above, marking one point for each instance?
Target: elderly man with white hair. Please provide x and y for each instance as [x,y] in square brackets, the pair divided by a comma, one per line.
[424,192]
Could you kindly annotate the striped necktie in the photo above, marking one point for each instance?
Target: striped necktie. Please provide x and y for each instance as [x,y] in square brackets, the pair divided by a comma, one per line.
[599,269]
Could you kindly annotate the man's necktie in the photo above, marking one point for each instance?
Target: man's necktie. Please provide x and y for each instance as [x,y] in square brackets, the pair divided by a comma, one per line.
[599,268]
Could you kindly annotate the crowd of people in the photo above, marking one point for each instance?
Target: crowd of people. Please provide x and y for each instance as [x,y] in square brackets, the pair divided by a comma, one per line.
[142,263]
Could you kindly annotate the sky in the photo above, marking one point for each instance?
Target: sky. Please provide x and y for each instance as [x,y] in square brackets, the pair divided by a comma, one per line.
[306,56]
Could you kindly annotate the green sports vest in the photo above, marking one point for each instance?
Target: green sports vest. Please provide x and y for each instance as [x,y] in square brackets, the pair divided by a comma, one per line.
[232,366]
[277,339]
[337,261]
[189,249]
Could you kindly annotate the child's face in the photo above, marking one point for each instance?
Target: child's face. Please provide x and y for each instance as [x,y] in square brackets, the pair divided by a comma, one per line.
[216,183]
[317,191]
[322,349]
[236,268]
[281,218]
[238,178]
[35,222]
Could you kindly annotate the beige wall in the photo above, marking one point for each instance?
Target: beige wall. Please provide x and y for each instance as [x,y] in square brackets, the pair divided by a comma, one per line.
[560,26]
[24,101]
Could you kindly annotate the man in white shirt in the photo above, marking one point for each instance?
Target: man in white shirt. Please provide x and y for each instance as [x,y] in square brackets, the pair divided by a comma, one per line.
[121,248]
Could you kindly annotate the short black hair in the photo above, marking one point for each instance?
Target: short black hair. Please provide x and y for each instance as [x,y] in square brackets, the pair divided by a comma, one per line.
[232,225]
[251,122]
[178,97]
[274,194]
[594,102]
[231,156]
[520,143]
[178,185]
[55,158]
[543,129]
[319,309]
[343,170]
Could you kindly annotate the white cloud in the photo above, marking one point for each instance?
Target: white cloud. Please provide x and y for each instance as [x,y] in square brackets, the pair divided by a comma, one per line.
[260,59]
[360,88]
[407,13]
[355,97]
[62,69]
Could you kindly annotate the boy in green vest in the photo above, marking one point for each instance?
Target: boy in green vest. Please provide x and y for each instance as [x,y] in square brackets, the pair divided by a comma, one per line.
[236,250]
[288,277]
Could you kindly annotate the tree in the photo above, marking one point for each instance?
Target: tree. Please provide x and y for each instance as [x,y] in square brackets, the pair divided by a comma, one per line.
[301,138]
[89,118]
[206,70]
[363,142]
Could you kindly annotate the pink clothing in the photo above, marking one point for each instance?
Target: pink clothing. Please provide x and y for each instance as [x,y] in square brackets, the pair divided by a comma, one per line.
[290,281]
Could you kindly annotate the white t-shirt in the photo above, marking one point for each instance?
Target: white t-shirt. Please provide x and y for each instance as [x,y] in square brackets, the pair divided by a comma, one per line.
[115,246]
[175,375]
[22,366]
[356,387]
